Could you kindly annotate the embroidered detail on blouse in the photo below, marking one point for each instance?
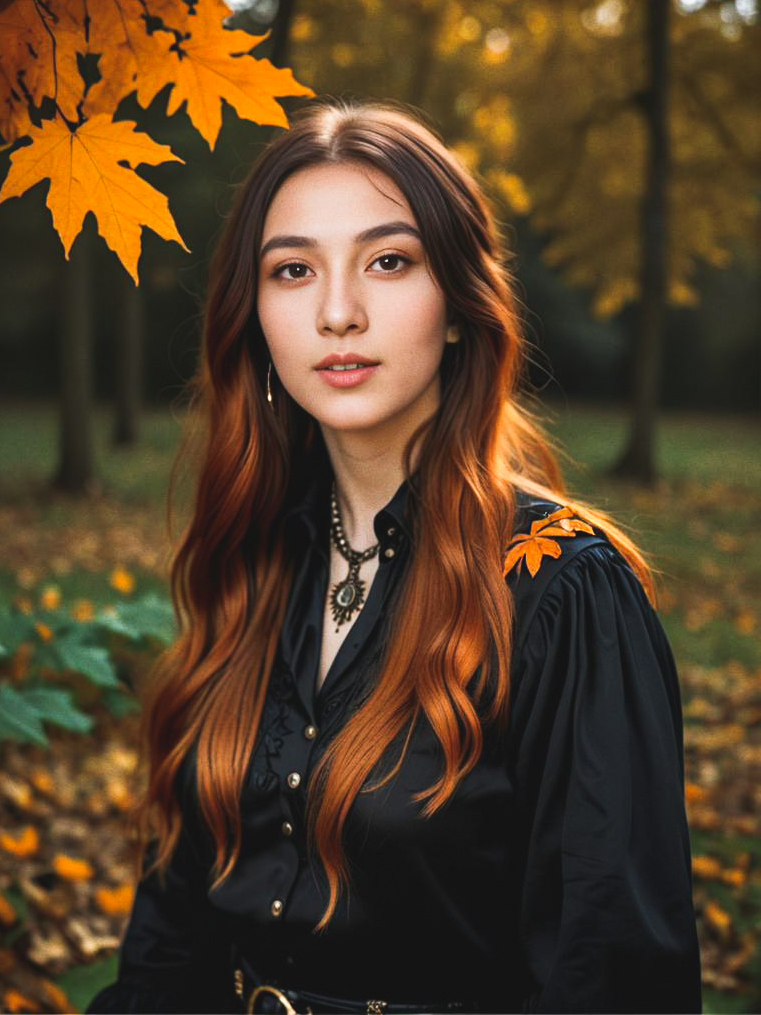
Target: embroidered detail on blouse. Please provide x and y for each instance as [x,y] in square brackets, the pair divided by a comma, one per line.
[273,730]
[534,545]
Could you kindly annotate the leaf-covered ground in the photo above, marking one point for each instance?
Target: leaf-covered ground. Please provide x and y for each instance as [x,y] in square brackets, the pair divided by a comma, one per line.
[65,868]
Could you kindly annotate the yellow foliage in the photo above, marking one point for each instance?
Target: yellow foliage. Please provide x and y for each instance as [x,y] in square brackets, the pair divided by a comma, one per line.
[495,122]
[82,609]
[719,257]
[745,622]
[50,598]
[14,1001]
[613,296]
[39,47]
[494,56]
[115,901]
[343,54]
[42,781]
[43,630]
[122,580]
[20,660]
[717,917]
[23,604]
[538,24]
[513,190]
[497,44]
[119,794]
[734,876]
[302,28]
[126,50]
[7,912]
[56,997]
[469,28]
[706,867]
[90,163]
[534,545]
[71,868]
[468,153]
[25,843]
[85,175]
[682,294]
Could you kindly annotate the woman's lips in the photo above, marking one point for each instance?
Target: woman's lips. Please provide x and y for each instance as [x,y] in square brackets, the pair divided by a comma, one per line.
[347,378]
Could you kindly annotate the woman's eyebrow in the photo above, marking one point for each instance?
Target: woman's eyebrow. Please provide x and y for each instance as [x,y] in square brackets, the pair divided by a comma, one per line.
[375,233]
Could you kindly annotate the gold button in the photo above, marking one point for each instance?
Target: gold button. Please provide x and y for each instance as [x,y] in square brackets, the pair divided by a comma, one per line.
[310,732]
[277,907]
[287,828]
[294,779]
[388,552]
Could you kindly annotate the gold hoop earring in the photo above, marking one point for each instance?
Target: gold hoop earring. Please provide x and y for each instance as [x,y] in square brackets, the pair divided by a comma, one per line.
[269,387]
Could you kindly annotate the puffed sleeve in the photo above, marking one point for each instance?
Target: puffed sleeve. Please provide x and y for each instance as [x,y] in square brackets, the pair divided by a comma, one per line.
[606,919]
[174,956]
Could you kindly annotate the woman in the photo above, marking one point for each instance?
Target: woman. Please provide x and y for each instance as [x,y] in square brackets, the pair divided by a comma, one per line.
[418,746]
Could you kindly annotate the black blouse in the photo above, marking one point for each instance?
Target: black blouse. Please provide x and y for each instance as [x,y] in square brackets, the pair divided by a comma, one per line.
[557,877]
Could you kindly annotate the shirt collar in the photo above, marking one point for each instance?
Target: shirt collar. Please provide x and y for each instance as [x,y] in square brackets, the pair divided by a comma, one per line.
[313,510]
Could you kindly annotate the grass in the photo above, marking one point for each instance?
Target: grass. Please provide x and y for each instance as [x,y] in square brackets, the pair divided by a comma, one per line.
[698,525]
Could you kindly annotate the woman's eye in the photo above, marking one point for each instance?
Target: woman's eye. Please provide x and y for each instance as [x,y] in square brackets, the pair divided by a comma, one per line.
[396,261]
[294,271]
[299,271]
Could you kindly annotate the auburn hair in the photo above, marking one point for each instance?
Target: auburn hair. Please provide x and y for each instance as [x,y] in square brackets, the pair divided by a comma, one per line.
[450,631]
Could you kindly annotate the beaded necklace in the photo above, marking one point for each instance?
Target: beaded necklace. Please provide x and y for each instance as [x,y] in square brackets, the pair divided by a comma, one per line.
[347,596]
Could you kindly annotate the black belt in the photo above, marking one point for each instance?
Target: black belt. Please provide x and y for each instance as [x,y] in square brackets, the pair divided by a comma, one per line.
[271,998]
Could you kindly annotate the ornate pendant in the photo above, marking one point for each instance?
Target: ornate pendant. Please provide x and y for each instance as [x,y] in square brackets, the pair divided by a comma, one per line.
[346,598]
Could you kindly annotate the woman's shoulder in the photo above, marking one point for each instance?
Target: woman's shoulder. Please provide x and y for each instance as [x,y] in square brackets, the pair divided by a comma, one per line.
[546,537]
[556,556]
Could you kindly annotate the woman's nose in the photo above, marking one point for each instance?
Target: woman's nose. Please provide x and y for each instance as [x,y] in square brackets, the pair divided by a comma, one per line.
[341,308]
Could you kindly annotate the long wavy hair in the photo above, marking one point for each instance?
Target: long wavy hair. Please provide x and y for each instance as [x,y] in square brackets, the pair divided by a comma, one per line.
[230,577]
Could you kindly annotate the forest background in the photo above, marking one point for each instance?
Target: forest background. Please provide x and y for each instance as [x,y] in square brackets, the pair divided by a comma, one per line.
[619,142]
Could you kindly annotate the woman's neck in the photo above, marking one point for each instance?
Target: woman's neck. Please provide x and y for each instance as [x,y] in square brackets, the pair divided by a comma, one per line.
[367,477]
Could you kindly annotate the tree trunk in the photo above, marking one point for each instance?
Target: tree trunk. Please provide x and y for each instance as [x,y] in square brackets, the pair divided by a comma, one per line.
[638,459]
[129,361]
[281,32]
[426,21]
[75,472]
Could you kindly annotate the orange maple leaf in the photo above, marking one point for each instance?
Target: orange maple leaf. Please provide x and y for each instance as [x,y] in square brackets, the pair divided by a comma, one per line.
[115,901]
[38,58]
[212,64]
[86,175]
[72,868]
[25,843]
[127,52]
[532,546]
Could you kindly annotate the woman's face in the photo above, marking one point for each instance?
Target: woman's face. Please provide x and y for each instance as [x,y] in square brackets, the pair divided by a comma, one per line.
[343,272]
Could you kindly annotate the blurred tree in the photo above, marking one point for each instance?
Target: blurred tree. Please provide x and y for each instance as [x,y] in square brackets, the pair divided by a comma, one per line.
[65,70]
[128,359]
[74,473]
[550,101]
[638,457]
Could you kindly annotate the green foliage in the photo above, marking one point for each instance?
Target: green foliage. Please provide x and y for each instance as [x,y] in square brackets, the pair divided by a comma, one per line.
[49,646]
[82,983]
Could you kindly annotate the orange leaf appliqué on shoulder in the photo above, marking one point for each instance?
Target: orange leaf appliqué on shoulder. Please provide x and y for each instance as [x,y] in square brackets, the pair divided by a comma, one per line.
[536,544]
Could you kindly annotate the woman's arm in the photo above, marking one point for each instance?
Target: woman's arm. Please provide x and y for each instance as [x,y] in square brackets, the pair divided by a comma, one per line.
[606,917]
[174,957]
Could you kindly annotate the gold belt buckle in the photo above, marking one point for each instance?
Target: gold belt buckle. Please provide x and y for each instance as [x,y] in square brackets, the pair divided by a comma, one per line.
[266,989]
